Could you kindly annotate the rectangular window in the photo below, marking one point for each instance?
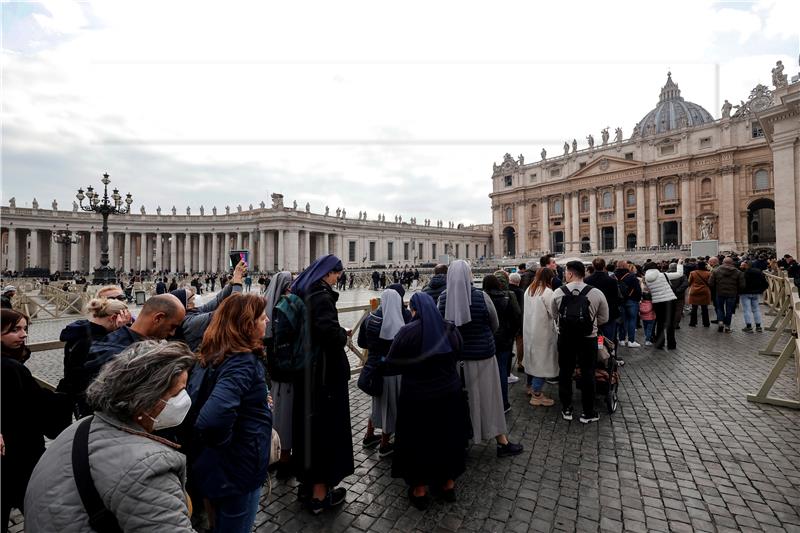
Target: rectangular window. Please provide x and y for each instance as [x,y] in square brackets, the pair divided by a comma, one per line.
[389,251]
[669,211]
[476,251]
[668,150]
[466,251]
[705,142]
[351,251]
[405,251]
[631,215]
[420,256]
[555,172]
[433,252]
[372,250]
[629,156]
[508,181]
[582,165]
[584,221]
[757,131]
[484,250]
[533,176]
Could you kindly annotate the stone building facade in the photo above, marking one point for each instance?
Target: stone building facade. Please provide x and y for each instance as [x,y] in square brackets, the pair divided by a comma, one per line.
[681,176]
[278,238]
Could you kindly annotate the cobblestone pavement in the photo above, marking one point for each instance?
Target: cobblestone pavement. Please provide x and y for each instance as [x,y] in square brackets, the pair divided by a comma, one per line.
[685,451]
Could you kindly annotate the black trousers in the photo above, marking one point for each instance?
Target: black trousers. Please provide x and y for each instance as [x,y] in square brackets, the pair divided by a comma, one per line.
[665,324]
[583,351]
[703,312]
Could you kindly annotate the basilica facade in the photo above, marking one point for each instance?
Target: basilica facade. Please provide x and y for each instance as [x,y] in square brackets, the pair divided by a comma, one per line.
[681,176]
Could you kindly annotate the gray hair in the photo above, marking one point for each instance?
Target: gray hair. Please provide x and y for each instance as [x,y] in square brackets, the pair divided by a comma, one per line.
[514,278]
[135,380]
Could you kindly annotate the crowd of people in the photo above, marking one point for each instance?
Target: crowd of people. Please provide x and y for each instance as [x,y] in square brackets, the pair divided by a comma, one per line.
[178,410]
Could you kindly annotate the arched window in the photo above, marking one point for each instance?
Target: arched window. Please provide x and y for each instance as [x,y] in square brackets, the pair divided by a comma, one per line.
[608,202]
[669,191]
[509,213]
[630,198]
[705,187]
[760,180]
[584,204]
[557,207]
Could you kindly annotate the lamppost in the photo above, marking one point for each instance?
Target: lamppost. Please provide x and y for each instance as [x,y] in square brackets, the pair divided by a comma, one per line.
[105,206]
[65,236]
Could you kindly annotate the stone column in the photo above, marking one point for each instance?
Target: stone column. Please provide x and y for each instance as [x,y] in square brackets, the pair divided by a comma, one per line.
[641,233]
[522,228]
[652,212]
[92,250]
[173,252]
[619,211]
[113,259]
[35,252]
[187,252]
[576,222]
[202,263]
[728,211]
[53,255]
[567,222]
[593,242]
[544,237]
[12,249]
[74,259]
[307,249]
[214,252]
[281,250]
[497,242]
[239,243]
[159,252]
[686,211]
[126,252]
[785,154]
[292,250]
[143,262]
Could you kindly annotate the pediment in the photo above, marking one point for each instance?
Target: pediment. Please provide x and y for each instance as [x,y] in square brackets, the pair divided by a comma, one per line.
[605,165]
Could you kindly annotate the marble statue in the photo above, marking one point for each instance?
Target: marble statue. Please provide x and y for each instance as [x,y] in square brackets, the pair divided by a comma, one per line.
[239,208]
[726,109]
[636,130]
[12,202]
[544,154]
[494,167]
[566,147]
[277,201]
[365,215]
[308,207]
[344,213]
[327,210]
[214,210]
[54,205]
[158,210]
[141,210]
[778,77]
[338,212]
[604,135]
[174,211]
[618,135]
[294,205]
[35,204]
[188,210]
[227,210]
[359,215]
[250,207]
[574,146]
[74,206]
[521,159]
[202,210]
[706,228]
[262,205]
[395,219]
[590,140]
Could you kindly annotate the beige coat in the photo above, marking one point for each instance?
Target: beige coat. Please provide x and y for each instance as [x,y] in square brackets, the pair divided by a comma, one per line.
[539,335]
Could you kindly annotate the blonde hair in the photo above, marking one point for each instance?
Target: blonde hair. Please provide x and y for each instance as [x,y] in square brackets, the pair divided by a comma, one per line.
[107,288]
[104,307]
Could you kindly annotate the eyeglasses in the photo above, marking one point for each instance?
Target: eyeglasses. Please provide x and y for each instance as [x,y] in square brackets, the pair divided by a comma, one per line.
[120,297]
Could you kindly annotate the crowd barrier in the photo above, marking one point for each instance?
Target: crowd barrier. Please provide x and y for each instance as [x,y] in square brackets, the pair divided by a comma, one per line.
[784,302]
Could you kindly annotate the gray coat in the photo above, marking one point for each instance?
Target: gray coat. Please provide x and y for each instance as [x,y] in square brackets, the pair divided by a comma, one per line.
[140,480]
[197,320]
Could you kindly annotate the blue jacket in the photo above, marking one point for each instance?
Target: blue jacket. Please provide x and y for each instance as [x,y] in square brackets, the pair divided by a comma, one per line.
[477,333]
[234,428]
[104,350]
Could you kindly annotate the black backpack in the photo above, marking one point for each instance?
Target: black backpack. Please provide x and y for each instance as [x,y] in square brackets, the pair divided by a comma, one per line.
[624,291]
[574,316]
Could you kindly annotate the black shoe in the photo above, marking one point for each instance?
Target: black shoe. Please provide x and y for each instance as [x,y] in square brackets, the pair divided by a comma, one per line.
[506,409]
[509,449]
[758,329]
[589,418]
[449,495]
[720,328]
[284,470]
[566,413]
[420,502]
[386,450]
[371,441]
[747,329]
[520,368]
[332,499]
[727,329]
[303,493]
[692,325]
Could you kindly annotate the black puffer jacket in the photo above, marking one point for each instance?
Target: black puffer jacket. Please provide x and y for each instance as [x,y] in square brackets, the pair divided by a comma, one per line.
[754,281]
[435,286]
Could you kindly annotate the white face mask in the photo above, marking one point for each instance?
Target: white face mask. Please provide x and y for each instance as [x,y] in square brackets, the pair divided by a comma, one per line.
[174,411]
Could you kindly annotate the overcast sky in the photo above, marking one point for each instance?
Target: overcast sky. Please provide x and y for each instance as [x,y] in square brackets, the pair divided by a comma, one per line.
[399,108]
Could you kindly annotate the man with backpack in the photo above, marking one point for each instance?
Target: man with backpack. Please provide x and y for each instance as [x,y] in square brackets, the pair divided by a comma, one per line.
[579,309]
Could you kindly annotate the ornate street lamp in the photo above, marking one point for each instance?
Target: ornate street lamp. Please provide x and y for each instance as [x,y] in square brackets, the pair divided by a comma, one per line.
[105,206]
[65,236]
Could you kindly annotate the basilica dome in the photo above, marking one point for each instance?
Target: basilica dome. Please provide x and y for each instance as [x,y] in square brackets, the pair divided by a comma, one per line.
[672,112]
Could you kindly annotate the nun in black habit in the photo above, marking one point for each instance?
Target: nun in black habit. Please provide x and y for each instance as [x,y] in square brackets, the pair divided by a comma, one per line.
[322,451]
[432,416]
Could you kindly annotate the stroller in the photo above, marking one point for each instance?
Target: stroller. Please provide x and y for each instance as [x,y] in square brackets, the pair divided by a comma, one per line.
[606,374]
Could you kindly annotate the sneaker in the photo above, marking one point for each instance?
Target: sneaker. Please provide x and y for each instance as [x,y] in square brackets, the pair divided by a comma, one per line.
[758,329]
[332,499]
[634,344]
[648,343]
[512,378]
[566,413]
[623,343]
[747,329]
[386,450]
[552,381]
[541,399]
[727,329]
[506,409]
[588,419]
[509,449]
[371,441]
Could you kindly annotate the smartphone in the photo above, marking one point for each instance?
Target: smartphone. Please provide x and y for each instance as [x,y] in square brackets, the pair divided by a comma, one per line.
[238,255]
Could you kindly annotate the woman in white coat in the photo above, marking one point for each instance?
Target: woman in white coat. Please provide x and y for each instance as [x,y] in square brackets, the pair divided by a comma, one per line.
[539,336]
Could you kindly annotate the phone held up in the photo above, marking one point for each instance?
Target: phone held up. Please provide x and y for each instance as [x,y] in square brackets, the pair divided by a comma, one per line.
[238,255]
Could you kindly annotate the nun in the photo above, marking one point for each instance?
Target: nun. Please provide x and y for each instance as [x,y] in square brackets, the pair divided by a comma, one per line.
[474,314]
[376,335]
[322,447]
[432,417]
[282,381]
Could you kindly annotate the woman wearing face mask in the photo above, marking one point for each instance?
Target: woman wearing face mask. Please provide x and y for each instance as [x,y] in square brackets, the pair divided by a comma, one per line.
[138,478]
[234,425]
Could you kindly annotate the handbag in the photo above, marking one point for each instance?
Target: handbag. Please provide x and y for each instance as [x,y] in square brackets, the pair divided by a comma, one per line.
[274,447]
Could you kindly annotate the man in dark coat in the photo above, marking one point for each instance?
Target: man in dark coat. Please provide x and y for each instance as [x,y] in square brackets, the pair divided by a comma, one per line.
[161,287]
[376,278]
[438,283]
[608,286]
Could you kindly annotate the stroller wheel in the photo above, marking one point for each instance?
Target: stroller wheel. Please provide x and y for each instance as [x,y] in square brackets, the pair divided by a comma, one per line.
[611,402]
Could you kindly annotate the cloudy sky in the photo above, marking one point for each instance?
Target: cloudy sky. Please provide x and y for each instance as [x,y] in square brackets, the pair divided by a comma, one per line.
[398,107]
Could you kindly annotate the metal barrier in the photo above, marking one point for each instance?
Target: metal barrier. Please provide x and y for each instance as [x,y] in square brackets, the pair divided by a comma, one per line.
[783,300]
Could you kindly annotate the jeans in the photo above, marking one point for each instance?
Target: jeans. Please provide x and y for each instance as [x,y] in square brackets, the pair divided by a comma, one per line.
[236,514]
[535,383]
[630,312]
[703,312]
[752,314]
[503,358]
[584,351]
[648,329]
[724,306]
